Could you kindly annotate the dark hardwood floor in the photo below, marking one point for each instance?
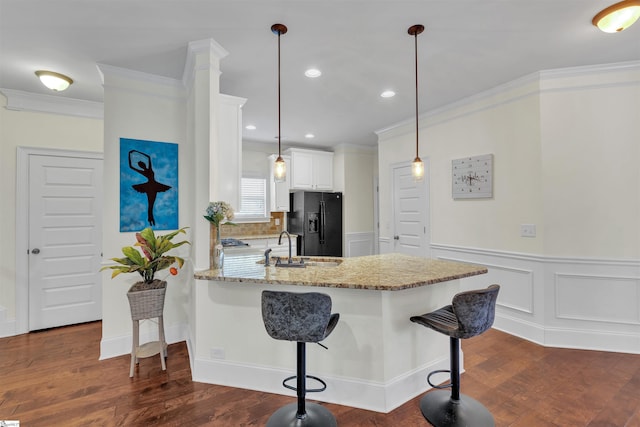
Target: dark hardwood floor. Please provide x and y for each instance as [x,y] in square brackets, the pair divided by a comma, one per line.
[54,378]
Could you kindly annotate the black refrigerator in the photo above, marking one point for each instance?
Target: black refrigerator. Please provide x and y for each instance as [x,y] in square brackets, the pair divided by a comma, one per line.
[316,218]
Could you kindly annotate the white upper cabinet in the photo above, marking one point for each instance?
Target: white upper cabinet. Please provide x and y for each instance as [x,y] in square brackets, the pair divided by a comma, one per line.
[279,191]
[311,169]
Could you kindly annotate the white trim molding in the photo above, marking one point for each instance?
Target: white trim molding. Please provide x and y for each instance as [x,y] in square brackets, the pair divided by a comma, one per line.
[359,244]
[18,100]
[576,302]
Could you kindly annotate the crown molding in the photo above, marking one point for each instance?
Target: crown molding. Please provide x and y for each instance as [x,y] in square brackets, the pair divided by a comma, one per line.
[18,100]
[530,84]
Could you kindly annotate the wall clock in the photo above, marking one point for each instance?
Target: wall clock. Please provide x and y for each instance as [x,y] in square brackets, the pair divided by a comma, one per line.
[472,177]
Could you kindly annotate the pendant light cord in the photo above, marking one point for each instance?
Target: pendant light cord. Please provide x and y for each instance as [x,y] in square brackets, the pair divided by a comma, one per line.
[279,132]
[416,55]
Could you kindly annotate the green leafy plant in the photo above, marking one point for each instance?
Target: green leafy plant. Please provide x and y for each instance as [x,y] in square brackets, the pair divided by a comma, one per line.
[151,257]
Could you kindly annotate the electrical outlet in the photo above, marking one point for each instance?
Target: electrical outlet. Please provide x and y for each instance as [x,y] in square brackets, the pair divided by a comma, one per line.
[277,221]
[217,353]
[528,230]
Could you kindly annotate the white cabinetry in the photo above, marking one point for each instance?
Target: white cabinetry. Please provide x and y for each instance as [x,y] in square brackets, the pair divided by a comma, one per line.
[311,169]
[279,191]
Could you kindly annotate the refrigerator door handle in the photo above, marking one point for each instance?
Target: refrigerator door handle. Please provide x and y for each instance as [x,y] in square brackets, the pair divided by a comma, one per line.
[322,221]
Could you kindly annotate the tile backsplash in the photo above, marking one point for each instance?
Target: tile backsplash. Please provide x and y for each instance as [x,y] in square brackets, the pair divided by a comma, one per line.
[256,228]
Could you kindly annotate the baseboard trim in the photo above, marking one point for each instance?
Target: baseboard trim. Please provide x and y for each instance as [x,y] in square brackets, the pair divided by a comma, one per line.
[368,395]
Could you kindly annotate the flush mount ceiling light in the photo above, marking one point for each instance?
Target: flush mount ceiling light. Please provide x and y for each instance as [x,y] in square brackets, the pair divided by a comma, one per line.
[54,81]
[250,127]
[280,169]
[618,17]
[417,167]
[313,73]
[388,94]
[309,136]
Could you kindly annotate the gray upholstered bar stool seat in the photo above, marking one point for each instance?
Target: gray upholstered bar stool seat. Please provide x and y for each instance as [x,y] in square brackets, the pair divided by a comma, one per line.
[470,313]
[304,318]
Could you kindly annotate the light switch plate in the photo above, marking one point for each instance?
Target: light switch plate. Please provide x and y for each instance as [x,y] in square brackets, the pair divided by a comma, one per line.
[528,230]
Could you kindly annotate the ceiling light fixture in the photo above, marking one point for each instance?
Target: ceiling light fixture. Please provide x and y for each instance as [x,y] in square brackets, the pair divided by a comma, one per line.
[617,17]
[250,127]
[313,73]
[309,135]
[388,94]
[54,81]
[280,169]
[417,167]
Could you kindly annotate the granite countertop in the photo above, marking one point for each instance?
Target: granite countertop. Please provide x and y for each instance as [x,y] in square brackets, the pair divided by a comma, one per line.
[388,272]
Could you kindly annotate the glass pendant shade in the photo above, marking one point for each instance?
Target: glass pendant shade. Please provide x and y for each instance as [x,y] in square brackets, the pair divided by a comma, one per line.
[54,81]
[280,170]
[417,169]
[618,17]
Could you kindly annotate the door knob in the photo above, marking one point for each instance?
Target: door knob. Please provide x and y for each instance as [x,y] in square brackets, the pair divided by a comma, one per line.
[36,251]
[396,237]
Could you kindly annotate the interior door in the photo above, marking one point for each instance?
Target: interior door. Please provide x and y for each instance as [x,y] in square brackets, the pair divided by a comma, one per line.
[410,213]
[65,241]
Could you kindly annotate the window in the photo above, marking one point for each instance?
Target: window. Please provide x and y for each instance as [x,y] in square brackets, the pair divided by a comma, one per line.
[253,200]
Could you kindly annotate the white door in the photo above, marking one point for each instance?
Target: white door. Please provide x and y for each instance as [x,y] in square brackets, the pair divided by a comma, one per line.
[410,218]
[65,220]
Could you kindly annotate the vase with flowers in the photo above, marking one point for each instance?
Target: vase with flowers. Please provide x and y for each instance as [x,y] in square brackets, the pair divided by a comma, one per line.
[218,213]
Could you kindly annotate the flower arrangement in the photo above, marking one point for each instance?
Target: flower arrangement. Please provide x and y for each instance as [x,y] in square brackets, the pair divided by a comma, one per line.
[153,248]
[219,212]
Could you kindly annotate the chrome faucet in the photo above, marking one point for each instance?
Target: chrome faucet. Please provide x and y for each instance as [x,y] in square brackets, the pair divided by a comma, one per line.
[280,242]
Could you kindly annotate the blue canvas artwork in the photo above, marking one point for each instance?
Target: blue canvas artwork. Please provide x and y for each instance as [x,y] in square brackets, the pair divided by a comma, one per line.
[148,185]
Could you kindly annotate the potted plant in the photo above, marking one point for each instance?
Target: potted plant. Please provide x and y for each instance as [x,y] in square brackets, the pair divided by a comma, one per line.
[146,297]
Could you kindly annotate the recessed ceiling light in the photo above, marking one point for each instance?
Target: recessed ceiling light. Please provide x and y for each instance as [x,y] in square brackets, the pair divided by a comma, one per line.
[388,94]
[313,73]
[309,135]
[250,127]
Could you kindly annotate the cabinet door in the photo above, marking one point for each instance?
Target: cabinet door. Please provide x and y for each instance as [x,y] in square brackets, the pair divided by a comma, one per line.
[280,190]
[323,171]
[301,171]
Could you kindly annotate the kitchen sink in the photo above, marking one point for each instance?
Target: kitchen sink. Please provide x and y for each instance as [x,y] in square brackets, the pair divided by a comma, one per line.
[301,262]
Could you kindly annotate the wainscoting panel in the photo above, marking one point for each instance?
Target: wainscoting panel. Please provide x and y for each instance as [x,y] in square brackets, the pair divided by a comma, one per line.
[598,298]
[359,244]
[560,302]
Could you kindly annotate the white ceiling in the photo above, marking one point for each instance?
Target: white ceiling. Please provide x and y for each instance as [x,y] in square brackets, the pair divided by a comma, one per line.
[361,46]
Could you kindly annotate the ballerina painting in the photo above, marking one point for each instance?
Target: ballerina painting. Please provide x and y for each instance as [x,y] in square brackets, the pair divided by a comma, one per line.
[148,185]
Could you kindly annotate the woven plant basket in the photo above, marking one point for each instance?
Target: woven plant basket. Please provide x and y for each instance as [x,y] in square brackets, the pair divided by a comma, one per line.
[147,299]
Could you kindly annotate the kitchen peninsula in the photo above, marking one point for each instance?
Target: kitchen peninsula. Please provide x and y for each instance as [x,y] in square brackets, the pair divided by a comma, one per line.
[377,359]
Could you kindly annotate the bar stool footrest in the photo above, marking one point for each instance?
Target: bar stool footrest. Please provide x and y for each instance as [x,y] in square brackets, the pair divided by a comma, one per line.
[439,386]
[308,390]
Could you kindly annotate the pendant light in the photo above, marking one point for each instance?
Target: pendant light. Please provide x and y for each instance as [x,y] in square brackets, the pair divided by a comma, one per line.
[617,17]
[417,167]
[280,169]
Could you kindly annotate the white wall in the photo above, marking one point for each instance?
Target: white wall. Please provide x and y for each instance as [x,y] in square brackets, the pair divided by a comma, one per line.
[142,107]
[566,155]
[30,129]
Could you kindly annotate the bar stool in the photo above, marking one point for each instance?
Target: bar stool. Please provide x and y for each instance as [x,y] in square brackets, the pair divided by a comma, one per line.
[304,318]
[470,313]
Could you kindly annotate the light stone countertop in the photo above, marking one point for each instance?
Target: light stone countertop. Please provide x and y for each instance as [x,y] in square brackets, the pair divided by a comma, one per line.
[388,272]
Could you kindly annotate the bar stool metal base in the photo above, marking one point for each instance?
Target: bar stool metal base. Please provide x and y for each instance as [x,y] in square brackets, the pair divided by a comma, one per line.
[442,411]
[315,416]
